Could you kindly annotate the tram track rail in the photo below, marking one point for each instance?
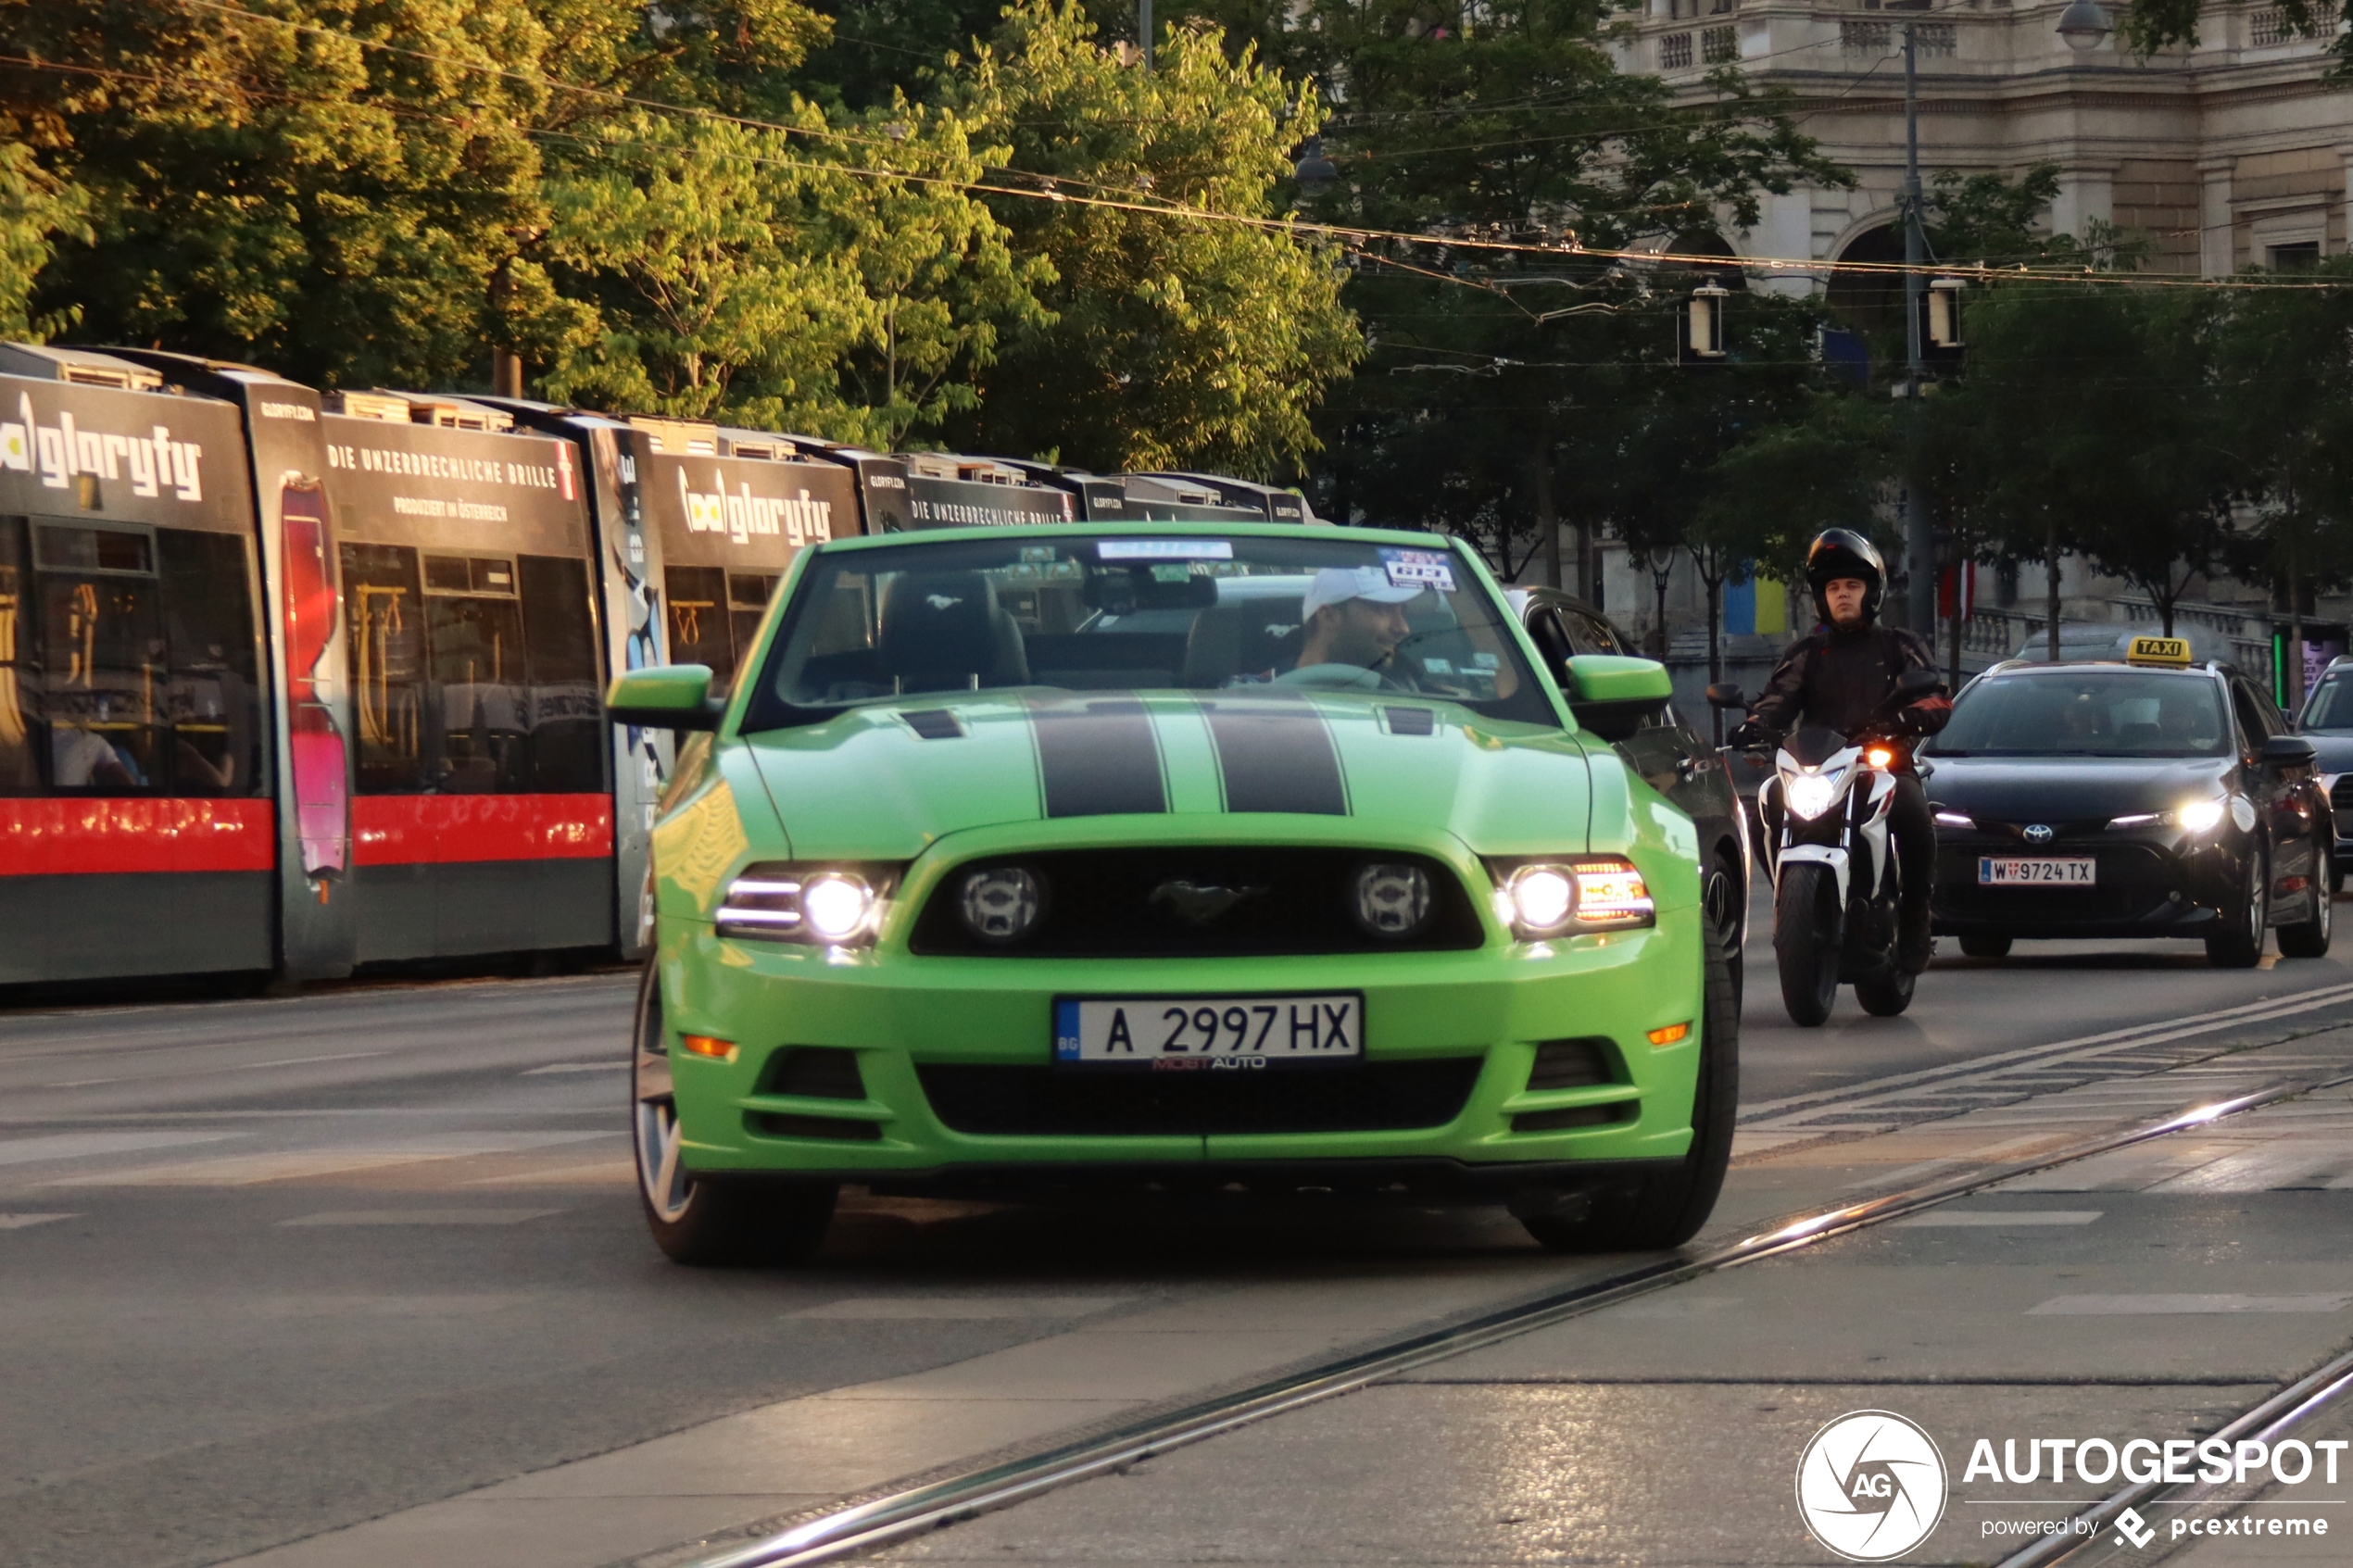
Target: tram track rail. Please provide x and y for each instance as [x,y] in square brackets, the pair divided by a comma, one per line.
[917,1510]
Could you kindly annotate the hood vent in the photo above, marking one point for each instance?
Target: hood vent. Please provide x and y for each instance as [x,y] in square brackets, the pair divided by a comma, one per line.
[934,723]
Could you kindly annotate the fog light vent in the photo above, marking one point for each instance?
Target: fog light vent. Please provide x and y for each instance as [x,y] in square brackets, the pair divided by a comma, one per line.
[1573,1064]
[815,1072]
[778,1126]
[1575,1116]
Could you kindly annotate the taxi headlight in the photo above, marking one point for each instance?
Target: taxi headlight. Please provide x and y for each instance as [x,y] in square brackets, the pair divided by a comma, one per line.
[1810,795]
[1565,897]
[787,901]
[2200,816]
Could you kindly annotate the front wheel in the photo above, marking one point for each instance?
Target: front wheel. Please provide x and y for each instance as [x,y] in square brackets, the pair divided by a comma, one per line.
[701,1222]
[1885,996]
[2240,944]
[1805,942]
[1656,1212]
[2308,938]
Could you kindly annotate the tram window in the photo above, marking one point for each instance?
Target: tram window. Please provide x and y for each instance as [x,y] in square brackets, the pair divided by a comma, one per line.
[213,703]
[485,701]
[748,596]
[699,629]
[384,625]
[18,773]
[567,722]
[102,650]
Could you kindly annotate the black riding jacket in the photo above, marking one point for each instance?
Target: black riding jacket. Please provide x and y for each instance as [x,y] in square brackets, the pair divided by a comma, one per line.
[1838,679]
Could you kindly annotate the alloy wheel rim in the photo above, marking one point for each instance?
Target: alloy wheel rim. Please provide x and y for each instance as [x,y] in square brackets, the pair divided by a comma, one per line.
[2258,889]
[1720,910]
[661,1173]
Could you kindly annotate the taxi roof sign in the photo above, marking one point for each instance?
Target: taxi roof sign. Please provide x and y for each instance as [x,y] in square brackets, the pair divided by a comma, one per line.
[2170,653]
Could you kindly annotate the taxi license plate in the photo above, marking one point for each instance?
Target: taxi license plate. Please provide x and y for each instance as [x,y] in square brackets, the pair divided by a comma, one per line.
[2045,871]
[1210,1034]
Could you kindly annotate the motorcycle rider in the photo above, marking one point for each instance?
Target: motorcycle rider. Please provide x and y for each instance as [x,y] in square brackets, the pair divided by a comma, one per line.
[1837,677]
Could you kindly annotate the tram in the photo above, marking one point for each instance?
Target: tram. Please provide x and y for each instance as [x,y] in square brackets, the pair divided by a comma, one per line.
[292,683]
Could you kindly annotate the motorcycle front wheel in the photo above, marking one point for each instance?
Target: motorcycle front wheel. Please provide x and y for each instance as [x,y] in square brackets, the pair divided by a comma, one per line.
[1805,942]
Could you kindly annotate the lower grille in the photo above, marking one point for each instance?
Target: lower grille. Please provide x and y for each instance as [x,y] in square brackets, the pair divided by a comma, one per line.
[1374,1097]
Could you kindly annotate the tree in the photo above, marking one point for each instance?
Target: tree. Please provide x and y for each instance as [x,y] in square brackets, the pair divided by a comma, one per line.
[1172,342]
[2150,25]
[37,210]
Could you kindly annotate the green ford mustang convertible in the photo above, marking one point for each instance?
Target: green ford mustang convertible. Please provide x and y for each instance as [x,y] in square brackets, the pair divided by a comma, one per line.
[1026,859]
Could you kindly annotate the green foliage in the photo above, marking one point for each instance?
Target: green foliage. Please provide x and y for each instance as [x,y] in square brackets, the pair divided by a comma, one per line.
[1174,342]
[2150,25]
[37,210]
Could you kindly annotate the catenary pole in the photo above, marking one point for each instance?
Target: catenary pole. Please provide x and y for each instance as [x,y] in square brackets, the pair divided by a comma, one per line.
[1920,535]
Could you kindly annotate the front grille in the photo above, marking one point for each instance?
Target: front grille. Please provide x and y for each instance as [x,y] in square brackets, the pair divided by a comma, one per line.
[2341,792]
[2133,882]
[1370,1096]
[1135,903]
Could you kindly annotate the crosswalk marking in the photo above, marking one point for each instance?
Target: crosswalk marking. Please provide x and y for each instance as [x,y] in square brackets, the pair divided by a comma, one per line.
[249,1169]
[20,1222]
[81,1145]
[2153,1306]
[1998,1218]
[422,1217]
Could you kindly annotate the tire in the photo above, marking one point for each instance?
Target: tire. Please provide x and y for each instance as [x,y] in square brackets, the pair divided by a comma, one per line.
[1727,916]
[2241,947]
[2308,938]
[1986,947]
[1885,996]
[703,1222]
[1805,942]
[1658,1212]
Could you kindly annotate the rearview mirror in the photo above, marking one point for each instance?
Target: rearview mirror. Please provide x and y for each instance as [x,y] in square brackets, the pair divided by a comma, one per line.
[666,697]
[2288,751]
[1725,694]
[1612,694]
[1160,586]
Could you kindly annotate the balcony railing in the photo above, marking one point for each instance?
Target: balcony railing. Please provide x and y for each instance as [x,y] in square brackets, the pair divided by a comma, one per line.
[1719,45]
[1675,51]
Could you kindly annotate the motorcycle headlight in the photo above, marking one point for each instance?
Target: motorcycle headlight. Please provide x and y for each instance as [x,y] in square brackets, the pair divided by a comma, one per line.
[2200,816]
[1810,795]
[787,901]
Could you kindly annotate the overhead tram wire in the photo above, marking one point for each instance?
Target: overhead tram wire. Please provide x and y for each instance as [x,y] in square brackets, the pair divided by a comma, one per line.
[1049,191]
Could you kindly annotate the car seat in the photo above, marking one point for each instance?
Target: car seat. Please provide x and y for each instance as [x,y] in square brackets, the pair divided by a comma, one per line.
[946,632]
[1248,639]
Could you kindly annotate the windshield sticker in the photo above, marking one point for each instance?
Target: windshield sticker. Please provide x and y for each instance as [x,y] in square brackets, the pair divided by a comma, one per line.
[1165,549]
[1034,553]
[1438,666]
[1418,569]
[1486,660]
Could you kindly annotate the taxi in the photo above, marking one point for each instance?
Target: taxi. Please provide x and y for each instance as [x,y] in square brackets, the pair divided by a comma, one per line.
[1034,859]
[2150,797]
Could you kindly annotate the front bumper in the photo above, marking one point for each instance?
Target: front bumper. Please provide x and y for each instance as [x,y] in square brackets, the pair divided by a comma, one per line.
[945,1046]
[2152,881]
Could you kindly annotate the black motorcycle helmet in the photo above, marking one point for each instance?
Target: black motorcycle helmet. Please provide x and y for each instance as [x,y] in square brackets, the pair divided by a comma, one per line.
[1842,552]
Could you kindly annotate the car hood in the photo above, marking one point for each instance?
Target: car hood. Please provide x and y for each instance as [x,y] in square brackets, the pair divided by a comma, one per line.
[886,782]
[2029,789]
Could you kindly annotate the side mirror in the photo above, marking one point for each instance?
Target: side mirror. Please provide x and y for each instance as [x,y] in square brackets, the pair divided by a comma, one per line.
[1612,694]
[666,697]
[2288,751]
[1724,695]
[1919,682]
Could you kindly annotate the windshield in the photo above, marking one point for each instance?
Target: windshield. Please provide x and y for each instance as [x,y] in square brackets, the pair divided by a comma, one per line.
[2100,713]
[2329,711]
[1143,613]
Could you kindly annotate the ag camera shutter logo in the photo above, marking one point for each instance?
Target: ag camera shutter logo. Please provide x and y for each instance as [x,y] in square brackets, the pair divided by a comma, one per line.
[1871,1486]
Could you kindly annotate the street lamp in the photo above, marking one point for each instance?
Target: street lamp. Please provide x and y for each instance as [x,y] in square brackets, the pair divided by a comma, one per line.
[1314,171]
[1702,336]
[2084,25]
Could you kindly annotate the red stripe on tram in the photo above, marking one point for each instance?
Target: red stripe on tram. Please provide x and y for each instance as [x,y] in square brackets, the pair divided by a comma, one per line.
[397,830]
[94,836]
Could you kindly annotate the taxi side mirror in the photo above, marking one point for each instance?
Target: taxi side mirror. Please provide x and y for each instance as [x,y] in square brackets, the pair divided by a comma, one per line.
[1612,694]
[666,697]
[2288,751]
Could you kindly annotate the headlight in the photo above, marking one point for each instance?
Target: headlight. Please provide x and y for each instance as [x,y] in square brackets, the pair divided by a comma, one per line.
[1391,900]
[1810,795]
[1000,903]
[786,901]
[2199,816]
[1591,892]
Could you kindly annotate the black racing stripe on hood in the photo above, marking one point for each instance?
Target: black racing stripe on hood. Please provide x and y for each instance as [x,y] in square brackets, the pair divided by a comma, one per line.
[1098,758]
[1274,754]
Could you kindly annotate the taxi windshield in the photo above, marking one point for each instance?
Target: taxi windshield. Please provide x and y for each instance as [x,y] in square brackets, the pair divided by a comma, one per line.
[1143,613]
[2095,713]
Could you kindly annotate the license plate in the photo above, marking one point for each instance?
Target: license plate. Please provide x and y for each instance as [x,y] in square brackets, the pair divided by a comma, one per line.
[2045,871]
[1210,1034]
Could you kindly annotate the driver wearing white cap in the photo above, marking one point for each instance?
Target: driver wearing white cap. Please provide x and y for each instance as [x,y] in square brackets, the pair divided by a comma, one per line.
[1353,615]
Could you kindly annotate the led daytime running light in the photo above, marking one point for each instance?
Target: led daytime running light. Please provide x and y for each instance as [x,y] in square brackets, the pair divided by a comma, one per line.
[828,905]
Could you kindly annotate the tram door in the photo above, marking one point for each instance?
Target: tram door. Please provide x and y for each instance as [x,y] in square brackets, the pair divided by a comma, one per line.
[137,833]
[482,805]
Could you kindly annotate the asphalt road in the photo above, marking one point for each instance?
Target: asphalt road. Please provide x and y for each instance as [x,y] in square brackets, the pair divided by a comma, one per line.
[270,1268]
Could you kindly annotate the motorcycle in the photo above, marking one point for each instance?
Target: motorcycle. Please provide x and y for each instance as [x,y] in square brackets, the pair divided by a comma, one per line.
[1837,887]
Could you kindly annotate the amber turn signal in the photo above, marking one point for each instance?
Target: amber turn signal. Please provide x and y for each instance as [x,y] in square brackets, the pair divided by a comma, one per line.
[1878,756]
[1670,1036]
[705,1044]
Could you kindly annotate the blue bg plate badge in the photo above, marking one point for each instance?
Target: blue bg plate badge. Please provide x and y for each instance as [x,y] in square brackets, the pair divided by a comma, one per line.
[1418,569]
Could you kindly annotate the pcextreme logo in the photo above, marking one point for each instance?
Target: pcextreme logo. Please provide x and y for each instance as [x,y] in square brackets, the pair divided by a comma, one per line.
[1870,1486]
